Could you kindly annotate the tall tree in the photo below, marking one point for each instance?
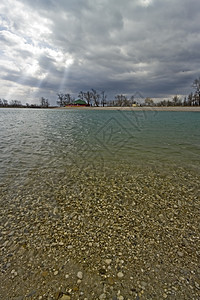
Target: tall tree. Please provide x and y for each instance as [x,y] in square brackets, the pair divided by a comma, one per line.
[190,99]
[148,101]
[196,86]
[103,99]
[61,99]
[95,97]
[44,102]
[88,97]
[68,99]
[176,101]
[122,100]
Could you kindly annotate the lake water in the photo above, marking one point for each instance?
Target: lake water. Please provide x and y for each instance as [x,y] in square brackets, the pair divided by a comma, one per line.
[78,187]
[64,140]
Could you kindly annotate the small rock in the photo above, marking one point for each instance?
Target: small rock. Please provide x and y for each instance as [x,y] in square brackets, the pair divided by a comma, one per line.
[44,274]
[180,253]
[102,296]
[143,284]
[120,297]
[67,276]
[108,261]
[164,296]
[120,275]
[55,211]
[55,273]
[110,280]
[32,293]
[65,297]
[80,275]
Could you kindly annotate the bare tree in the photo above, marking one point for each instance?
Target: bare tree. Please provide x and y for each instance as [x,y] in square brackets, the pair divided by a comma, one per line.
[95,97]
[88,97]
[103,99]
[15,103]
[176,101]
[68,99]
[190,99]
[44,102]
[122,100]
[81,95]
[196,86]
[61,99]
[5,102]
[148,101]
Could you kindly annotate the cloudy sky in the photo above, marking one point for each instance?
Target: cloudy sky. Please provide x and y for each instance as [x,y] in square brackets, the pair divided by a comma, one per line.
[129,46]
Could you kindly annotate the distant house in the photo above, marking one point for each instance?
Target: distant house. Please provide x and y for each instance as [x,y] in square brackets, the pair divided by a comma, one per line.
[80,102]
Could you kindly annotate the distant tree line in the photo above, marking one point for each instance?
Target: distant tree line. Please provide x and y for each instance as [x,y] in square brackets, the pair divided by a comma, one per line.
[95,98]
[92,98]
[43,103]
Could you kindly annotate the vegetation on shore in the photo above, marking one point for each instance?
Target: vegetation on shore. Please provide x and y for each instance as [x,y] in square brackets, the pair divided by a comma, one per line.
[95,98]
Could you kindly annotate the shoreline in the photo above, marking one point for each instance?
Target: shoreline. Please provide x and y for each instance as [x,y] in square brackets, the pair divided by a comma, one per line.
[143,108]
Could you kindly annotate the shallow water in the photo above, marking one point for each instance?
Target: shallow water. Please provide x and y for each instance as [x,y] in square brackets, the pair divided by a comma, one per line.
[61,139]
[125,182]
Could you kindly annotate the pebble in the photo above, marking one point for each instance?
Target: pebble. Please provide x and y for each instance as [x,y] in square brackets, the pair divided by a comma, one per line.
[197,285]
[55,211]
[120,297]
[120,274]
[110,280]
[143,284]
[180,253]
[80,275]
[65,297]
[108,261]
[55,273]
[67,276]
[102,296]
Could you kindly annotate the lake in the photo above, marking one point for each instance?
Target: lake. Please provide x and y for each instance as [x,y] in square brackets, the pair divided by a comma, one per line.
[94,185]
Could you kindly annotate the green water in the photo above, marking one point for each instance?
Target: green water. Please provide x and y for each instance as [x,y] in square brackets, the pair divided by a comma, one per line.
[47,149]
[62,140]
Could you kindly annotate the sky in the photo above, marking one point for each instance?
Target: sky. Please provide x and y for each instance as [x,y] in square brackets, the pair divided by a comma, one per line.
[150,47]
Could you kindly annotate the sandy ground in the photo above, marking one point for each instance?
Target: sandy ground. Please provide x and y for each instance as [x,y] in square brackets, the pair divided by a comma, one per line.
[171,108]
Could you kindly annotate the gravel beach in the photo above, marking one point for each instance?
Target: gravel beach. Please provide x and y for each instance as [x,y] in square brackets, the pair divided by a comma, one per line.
[125,233]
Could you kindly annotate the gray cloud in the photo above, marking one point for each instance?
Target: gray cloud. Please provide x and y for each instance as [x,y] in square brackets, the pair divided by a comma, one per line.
[118,46]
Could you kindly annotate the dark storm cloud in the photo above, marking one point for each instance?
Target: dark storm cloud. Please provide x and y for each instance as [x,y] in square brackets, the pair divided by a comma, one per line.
[149,46]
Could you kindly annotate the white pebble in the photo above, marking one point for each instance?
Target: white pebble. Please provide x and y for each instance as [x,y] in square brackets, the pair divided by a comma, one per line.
[80,275]
[120,275]
[108,261]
